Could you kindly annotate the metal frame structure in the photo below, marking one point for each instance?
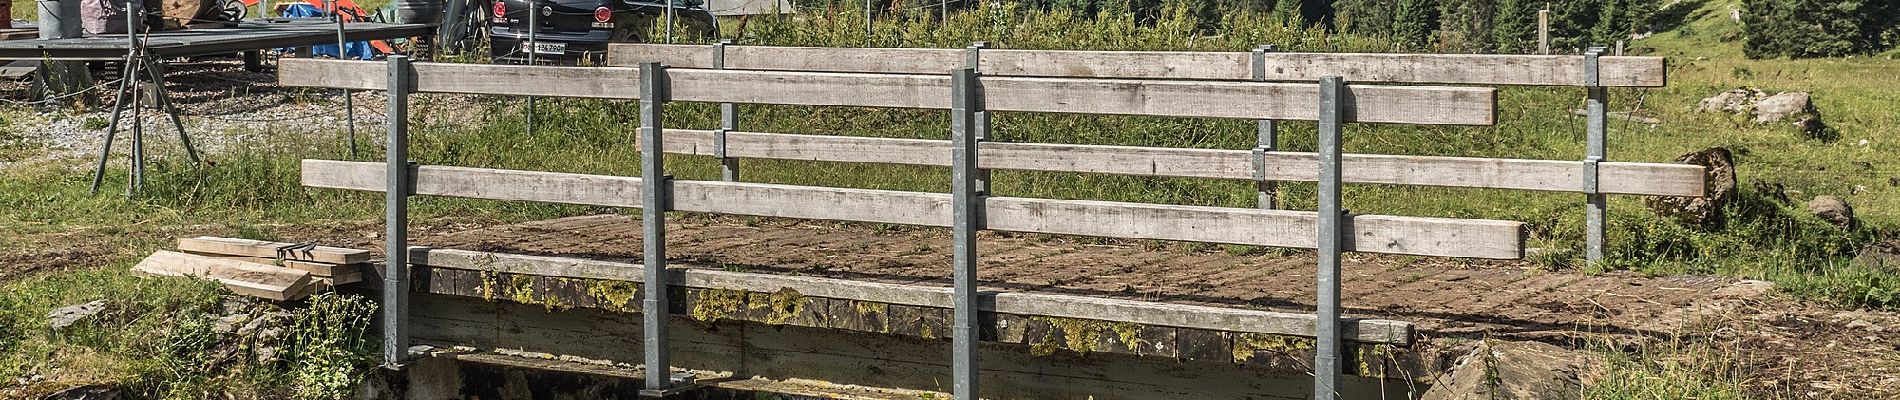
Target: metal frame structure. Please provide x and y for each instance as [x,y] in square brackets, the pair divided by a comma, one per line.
[1267,192]
[401,184]
[1596,204]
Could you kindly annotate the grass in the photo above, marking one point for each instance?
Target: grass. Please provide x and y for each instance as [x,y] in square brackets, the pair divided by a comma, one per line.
[253,186]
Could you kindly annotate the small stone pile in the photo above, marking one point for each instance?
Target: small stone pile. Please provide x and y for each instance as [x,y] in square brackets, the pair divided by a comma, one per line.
[1768,109]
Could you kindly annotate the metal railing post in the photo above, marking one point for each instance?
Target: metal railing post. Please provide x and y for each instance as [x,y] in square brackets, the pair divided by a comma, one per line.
[1595,125]
[973,60]
[656,191]
[728,121]
[967,208]
[398,183]
[1267,192]
[1326,367]
[534,47]
[349,98]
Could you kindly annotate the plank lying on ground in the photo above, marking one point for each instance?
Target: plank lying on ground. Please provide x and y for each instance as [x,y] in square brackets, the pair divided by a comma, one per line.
[334,273]
[1148,313]
[260,248]
[246,278]
[1654,179]
[1485,69]
[1247,100]
[1365,233]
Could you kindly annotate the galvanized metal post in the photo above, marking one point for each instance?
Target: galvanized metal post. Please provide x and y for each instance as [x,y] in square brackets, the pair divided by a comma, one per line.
[349,98]
[728,121]
[656,191]
[1326,367]
[1595,110]
[135,13]
[1266,192]
[973,60]
[396,216]
[534,47]
[967,217]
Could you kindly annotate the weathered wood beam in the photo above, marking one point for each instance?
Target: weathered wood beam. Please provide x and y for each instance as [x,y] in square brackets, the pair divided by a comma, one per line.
[1245,100]
[1651,179]
[1479,69]
[246,278]
[1366,233]
[260,248]
[1026,304]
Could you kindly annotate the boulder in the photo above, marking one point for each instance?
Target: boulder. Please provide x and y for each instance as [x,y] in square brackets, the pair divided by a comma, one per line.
[65,317]
[87,392]
[1704,212]
[1735,101]
[1883,254]
[1783,106]
[1832,209]
[1512,370]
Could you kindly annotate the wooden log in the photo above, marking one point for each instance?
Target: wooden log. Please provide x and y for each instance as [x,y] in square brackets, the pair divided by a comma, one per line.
[1246,100]
[1483,69]
[246,278]
[1063,306]
[1366,233]
[1648,179]
[274,250]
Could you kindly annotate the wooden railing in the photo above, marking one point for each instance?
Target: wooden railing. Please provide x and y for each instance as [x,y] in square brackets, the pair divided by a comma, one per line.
[970,207]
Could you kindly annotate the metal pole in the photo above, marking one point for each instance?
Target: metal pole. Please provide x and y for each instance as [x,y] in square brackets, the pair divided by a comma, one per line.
[396,217]
[967,207]
[1595,125]
[973,59]
[867,23]
[1268,132]
[669,21]
[534,47]
[1326,367]
[134,12]
[656,193]
[112,129]
[728,121]
[349,101]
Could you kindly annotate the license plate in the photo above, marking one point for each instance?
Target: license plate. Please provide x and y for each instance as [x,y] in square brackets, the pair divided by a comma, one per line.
[545,48]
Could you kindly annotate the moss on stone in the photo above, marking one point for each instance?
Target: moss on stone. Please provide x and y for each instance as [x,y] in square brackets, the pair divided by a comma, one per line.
[782,306]
[614,295]
[1083,335]
[714,304]
[1246,344]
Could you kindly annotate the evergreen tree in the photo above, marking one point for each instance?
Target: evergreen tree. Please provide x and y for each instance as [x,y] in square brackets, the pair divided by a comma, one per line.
[1612,24]
[1289,10]
[1413,22]
[1815,28]
[1514,27]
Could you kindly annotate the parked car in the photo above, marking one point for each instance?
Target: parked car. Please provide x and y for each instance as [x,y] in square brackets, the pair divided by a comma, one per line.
[578,31]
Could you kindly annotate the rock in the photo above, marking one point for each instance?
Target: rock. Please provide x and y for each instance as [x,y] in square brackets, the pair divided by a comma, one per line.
[1735,101]
[87,392]
[1782,106]
[1883,254]
[1512,370]
[1833,210]
[1704,212]
[65,317]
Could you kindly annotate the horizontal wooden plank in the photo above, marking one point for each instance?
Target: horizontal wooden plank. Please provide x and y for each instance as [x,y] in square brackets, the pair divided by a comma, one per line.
[337,274]
[268,249]
[1652,179]
[246,278]
[1366,233]
[1028,304]
[482,183]
[518,80]
[1484,69]
[1247,100]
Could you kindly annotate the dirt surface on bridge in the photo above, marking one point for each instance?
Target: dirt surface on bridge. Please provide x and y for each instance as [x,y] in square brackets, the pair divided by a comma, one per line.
[1771,339]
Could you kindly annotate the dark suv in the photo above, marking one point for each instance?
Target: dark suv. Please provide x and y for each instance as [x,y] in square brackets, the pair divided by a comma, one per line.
[573,31]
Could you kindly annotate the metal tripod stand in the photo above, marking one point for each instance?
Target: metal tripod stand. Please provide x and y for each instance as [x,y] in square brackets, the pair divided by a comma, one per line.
[138,62]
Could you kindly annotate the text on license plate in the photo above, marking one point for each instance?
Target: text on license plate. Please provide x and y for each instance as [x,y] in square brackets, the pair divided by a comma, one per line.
[545,47]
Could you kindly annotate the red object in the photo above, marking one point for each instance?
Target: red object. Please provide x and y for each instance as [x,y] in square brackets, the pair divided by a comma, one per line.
[603,14]
[501,10]
[349,12]
[6,14]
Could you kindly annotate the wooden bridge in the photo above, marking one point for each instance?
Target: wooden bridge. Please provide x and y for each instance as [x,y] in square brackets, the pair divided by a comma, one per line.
[971,83]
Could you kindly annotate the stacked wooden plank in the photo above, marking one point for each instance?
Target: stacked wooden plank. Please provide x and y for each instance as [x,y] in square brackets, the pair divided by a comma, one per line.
[271,270]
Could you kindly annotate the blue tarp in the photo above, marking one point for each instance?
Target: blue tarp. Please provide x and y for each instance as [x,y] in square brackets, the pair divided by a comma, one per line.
[358,50]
